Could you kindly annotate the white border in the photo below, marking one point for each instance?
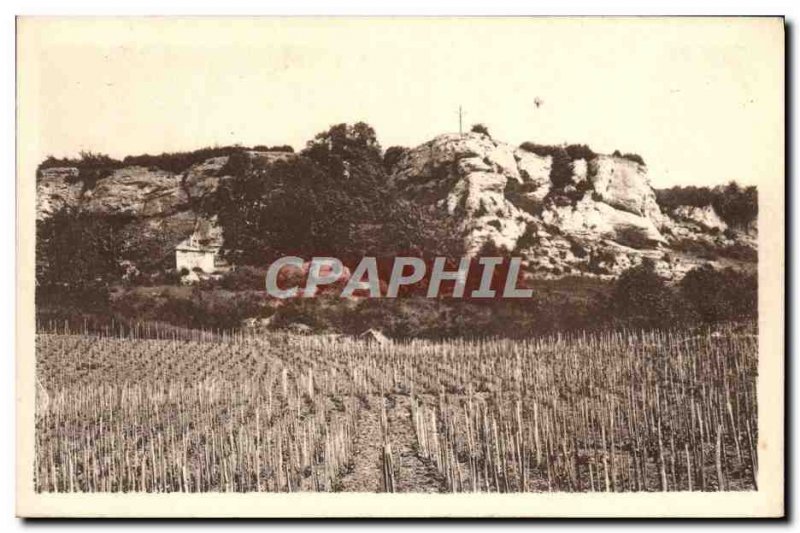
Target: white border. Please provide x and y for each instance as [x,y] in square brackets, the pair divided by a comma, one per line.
[496,7]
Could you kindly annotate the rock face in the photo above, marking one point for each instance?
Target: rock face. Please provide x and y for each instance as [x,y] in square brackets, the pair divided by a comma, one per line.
[468,174]
[135,191]
[706,218]
[600,220]
[624,185]
[534,169]
[57,188]
[478,179]
[604,219]
[202,179]
[592,221]
[161,204]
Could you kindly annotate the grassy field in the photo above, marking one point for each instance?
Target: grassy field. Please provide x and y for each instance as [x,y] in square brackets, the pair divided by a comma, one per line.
[604,412]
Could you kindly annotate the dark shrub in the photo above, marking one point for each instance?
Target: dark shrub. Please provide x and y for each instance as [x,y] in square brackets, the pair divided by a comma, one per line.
[739,252]
[528,239]
[580,151]
[178,162]
[561,169]
[577,249]
[716,295]
[538,149]
[77,251]
[392,156]
[237,164]
[92,167]
[636,158]
[265,148]
[480,128]
[670,199]
[601,261]
[244,278]
[301,311]
[736,205]
[204,309]
[642,299]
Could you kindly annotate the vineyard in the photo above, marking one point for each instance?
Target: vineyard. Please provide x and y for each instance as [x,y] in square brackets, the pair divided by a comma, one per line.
[615,411]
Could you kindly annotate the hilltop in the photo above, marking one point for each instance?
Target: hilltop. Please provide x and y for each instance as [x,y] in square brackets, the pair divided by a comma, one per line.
[600,247]
[566,210]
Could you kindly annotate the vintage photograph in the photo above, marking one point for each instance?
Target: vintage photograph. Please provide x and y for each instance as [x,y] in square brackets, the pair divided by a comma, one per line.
[440,256]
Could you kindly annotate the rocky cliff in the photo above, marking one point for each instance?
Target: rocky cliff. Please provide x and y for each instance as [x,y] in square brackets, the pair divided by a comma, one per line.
[601,220]
[604,219]
[162,204]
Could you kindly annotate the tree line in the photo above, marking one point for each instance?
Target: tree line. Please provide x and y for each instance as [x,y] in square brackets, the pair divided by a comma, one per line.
[736,205]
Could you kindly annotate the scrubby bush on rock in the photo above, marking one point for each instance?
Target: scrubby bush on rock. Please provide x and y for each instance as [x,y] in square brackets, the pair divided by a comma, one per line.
[480,128]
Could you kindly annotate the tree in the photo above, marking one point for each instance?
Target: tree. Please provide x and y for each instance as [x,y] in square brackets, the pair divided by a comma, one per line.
[238,164]
[291,207]
[79,255]
[736,205]
[311,204]
[332,199]
[345,145]
[295,207]
[420,231]
[641,298]
[716,295]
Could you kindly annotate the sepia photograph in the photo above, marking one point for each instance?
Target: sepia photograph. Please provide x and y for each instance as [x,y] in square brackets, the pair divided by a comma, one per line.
[309,266]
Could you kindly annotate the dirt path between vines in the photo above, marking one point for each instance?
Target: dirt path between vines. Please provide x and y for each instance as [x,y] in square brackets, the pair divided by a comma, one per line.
[412,474]
[365,472]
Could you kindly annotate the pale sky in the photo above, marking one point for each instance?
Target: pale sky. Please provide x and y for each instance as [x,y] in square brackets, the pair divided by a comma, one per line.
[700,99]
